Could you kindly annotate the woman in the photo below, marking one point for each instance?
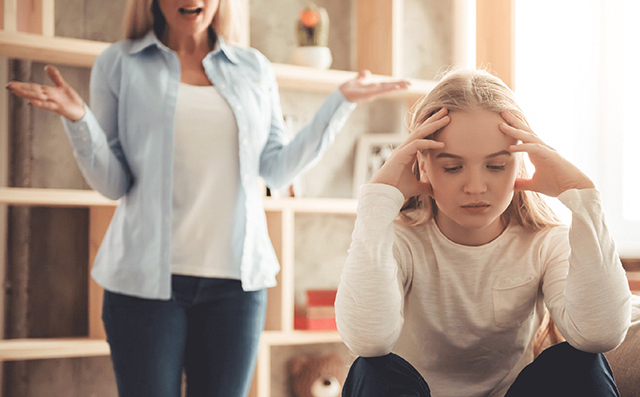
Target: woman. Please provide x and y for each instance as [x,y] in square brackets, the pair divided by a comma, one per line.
[181,126]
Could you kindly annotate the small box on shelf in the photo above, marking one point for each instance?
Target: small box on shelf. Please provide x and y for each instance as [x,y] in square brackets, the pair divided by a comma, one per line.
[319,314]
[321,297]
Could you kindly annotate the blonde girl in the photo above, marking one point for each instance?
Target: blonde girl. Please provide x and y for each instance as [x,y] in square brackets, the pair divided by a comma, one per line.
[455,260]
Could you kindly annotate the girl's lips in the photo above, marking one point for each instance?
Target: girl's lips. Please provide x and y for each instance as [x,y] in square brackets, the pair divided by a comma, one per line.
[476,207]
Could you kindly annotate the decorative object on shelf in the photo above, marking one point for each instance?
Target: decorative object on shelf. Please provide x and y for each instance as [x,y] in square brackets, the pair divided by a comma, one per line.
[319,314]
[313,35]
[372,152]
[317,376]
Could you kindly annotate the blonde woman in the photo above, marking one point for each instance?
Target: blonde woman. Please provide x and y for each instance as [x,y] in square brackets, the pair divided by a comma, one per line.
[181,125]
[455,260]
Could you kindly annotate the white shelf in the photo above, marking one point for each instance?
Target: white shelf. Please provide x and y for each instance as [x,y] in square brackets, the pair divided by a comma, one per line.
[91,198]
[53,197]
[312,205]
[283,338]
[37,349]
[77,52]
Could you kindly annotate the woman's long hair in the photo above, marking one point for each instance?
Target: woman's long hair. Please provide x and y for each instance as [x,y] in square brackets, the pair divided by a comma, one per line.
[144,15]
[468,90]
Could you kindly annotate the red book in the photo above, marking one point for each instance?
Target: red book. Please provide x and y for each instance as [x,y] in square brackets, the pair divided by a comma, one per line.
[318,297]
[316,318]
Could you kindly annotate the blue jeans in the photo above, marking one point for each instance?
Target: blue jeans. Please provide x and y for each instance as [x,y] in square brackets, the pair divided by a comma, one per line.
[559,371]
[210,329]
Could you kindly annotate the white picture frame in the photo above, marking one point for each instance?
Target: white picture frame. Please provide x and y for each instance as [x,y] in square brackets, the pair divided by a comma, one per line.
[372,151]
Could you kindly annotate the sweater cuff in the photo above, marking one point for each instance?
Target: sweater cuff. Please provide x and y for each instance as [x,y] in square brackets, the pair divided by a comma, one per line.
[575,199]
[379,200]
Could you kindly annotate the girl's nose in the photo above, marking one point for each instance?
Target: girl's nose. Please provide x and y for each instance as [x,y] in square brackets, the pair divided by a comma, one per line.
[475,183]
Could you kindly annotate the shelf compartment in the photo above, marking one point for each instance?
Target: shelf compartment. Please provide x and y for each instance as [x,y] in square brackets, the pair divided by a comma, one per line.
[78,52]
[38,349]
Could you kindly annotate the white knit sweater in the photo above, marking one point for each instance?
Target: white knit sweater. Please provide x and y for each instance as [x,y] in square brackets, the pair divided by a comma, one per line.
[466,316]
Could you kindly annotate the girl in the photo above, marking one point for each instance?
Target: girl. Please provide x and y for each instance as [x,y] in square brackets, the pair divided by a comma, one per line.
[181,126]
[456,287]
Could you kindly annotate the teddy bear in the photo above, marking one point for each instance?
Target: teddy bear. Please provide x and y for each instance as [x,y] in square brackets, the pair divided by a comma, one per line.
[317,375]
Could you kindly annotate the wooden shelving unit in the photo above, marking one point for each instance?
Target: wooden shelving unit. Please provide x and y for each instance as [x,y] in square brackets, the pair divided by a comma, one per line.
[27,33]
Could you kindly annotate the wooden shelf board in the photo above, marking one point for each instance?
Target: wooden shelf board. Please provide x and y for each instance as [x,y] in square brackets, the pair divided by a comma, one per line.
[77,52]
[91,198]
[59,50]
[53,197]
[312,205]
[280,338]
[37,349]
[293,77]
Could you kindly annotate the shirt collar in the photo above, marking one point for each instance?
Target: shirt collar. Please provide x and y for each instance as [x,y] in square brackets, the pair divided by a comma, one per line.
[150,39]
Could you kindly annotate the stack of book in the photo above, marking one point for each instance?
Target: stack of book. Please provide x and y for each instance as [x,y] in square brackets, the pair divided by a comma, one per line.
[319,314]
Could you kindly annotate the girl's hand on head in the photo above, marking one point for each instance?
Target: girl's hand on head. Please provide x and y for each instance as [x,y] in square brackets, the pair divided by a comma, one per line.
[358,90]
[397,171]
[553,173]
[61,99]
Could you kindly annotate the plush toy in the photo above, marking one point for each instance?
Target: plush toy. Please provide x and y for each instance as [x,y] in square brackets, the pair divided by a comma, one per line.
[317,376]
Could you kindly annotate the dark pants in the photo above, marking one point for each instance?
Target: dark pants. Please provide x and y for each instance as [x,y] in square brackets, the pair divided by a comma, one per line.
[210,328]
[560,370]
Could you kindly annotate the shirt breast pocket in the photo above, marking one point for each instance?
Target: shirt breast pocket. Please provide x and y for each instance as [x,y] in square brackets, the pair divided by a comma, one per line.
[514,300]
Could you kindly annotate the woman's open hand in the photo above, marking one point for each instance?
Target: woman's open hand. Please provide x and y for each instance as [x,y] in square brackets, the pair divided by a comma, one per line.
[358,90]
[398,169]
[554,174]
[61,99]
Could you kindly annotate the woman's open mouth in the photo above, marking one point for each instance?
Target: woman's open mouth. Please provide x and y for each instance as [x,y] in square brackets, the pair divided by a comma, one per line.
[190,10]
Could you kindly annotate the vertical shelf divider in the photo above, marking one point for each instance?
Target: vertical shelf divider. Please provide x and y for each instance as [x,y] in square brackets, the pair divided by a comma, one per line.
[99,218]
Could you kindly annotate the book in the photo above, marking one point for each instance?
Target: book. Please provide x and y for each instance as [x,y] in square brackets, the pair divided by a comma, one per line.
[321,297]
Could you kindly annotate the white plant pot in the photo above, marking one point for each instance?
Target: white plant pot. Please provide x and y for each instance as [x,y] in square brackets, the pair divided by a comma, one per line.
[313,56]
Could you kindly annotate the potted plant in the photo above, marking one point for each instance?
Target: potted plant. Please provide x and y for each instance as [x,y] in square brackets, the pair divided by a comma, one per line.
[312,29]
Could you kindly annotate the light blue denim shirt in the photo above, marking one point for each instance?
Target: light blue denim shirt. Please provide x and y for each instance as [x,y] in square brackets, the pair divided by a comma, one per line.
[123,146]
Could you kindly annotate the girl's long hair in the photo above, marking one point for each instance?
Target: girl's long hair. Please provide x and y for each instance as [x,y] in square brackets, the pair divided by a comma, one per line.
[468,90]
[144,15]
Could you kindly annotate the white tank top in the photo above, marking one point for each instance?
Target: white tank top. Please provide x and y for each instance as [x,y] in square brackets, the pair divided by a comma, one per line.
[206,181]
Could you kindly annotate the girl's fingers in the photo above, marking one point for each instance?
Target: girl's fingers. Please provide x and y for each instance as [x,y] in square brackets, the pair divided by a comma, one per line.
[423,144]
[437,121]
[532,148]
[520,134]
[524,184]
[515,121]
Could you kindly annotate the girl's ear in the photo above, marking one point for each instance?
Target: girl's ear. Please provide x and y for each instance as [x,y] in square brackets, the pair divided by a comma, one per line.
[422,166]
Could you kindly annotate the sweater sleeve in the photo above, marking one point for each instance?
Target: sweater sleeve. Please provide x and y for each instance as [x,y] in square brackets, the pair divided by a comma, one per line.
[585,286]
[370,297]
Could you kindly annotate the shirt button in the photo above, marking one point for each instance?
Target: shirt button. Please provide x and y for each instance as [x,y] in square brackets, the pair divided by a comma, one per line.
[238,108]
[245,141]
[223,86]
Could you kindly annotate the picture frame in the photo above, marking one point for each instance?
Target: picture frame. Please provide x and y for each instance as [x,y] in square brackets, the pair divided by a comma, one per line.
[372,151]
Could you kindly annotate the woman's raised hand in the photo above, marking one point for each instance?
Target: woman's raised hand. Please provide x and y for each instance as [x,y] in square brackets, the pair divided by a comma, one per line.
[398,169]
[554,174]
[61,99]
[358,90]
